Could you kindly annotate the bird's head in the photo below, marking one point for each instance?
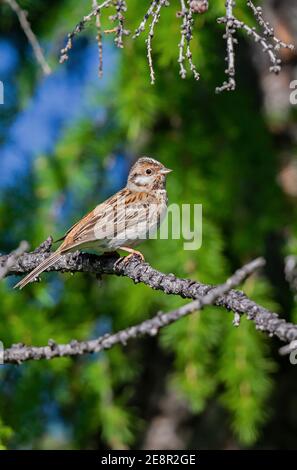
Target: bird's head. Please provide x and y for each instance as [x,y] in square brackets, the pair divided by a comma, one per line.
[147,174]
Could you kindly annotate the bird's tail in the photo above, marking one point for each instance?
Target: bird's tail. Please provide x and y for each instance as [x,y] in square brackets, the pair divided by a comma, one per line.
[39,269]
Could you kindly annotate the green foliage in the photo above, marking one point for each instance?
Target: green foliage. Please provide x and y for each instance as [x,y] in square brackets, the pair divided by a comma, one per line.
[223,158]
[245,368]
[5,435]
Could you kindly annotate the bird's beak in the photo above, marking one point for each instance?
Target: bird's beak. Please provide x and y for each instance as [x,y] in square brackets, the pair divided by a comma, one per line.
[165,171]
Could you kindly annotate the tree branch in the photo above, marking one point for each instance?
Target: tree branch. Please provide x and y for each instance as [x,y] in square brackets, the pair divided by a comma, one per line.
[230,85]
[99,40]
[26,27]
[188,9]
[185,41]
[12,258]
[80,27]
[236,301]
[267,39]
[19,353]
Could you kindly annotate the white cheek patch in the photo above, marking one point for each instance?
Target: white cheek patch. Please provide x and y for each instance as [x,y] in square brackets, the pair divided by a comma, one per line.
[144,180]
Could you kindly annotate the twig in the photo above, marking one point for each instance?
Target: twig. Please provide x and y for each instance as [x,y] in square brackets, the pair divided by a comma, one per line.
[266,37]
[19,353]
[80,27]
[267,47]
[232,24]
[181,46]
[153,11]
[121,8]
[267,28]
[230,84]
[99,39]
[156,17]
[22,16]
[12,258]
[146,17]
[185,41]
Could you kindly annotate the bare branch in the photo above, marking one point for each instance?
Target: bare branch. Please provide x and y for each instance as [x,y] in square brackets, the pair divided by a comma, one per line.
[149,13]
[22,16]
[12,258]
[80,27]
[121,8]
[19,353]
[154,11]
[139,271]
[266,27]
[230,85]
[156,17]
[185,41]
[266,38]
[99,39]
[232,24]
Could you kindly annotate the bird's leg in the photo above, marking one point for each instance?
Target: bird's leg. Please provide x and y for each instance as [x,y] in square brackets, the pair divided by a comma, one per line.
[132,253]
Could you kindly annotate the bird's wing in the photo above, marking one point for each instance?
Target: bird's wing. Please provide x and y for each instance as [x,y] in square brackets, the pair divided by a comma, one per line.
[108,220]
[68,231]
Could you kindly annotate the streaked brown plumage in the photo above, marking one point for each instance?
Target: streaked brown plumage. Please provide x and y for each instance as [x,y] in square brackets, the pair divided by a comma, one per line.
[120,222]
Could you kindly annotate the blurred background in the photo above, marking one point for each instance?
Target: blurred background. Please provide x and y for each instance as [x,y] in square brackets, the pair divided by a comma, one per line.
[67,142]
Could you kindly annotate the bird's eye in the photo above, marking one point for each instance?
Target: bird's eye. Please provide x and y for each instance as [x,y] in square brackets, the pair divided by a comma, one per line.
[148,171]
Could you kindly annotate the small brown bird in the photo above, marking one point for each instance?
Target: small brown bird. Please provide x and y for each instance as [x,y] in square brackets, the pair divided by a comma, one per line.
[122,221]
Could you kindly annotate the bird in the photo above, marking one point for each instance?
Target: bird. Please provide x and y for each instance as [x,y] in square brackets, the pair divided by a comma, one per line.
[121,222]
